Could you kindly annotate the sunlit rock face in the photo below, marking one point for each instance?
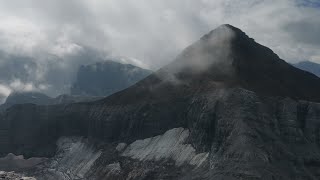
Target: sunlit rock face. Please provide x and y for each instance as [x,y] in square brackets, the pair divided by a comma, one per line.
[259,119]
[170,145]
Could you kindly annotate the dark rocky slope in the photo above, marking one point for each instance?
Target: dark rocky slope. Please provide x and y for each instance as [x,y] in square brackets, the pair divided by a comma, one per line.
[233,108]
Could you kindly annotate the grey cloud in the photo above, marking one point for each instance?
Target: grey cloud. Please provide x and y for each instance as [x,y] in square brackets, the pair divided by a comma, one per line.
[306,31]
[156,31]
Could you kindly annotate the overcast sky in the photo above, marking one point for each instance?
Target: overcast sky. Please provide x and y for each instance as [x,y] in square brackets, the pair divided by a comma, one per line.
[149,32]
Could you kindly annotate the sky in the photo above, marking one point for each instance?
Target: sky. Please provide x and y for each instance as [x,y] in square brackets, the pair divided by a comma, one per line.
[50,38]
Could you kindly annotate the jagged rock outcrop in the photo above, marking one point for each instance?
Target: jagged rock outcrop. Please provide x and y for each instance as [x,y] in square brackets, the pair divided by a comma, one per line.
[105,78]
[230,98]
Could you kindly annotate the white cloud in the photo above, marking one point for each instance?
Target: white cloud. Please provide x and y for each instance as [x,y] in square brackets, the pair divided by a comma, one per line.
[315,59]
[19,36]
[18,86]
[4,90]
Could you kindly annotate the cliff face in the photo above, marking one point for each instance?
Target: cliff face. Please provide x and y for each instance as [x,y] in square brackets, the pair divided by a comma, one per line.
[226,108]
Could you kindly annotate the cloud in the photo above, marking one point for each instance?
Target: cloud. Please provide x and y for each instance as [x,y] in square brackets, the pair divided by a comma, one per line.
[315,59]
[18,86]
[57,36]
[4,92]
[154,31]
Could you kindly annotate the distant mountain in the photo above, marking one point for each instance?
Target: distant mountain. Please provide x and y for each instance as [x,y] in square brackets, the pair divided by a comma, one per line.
[28,97]
[93,82]
[42,99]
[46,73]
[105,78]
[309,66]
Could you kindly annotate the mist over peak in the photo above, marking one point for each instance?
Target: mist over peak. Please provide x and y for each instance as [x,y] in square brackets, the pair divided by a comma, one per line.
[214,55]
[228,57]
[225,32]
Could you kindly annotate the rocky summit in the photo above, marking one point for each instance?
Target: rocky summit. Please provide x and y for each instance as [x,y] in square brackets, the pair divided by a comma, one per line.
[226,108]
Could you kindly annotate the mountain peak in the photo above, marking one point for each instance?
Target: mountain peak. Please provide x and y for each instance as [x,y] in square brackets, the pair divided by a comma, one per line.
[227,56]
[212,55]
[225,32]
